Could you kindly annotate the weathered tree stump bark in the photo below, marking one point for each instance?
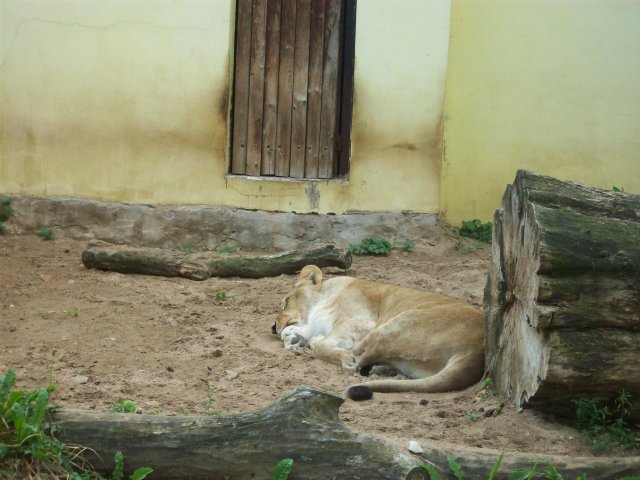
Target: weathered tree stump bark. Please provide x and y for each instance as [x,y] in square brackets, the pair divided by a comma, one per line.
[562,301]
[304,426]
[203,265]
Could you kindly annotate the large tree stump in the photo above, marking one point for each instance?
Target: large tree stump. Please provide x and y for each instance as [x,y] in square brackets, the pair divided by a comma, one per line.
[203,265]
[304,426]
[562,301]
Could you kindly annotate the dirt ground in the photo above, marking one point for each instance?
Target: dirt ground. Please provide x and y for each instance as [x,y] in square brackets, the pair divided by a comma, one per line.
[174,346]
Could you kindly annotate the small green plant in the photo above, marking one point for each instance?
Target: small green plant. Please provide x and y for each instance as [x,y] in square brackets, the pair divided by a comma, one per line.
[206,406]
[118,471]
[27,447]
[220,295]
[124,406]
[5,211]
[227,249]
[603,426]
[282,469]
[73,312]
[477,230]
[156,411]
[487,383]
[618,189]
[404,245]
[371,246]
[45,233]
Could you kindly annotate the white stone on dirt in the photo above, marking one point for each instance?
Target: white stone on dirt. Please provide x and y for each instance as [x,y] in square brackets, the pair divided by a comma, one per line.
[80,379]
[415,447]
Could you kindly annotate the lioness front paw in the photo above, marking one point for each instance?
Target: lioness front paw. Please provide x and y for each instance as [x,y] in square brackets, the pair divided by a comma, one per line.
[295,341]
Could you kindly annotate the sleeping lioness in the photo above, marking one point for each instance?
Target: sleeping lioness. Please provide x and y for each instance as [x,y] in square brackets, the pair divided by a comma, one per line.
[434,340]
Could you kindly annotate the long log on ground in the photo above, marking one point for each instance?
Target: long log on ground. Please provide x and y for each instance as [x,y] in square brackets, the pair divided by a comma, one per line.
[203,265]
[303,426]
[562,301]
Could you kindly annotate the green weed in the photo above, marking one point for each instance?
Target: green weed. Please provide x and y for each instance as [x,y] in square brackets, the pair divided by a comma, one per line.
[28,448]
[220,296]
[371,246]
[404,245]
[618,189]
[5,211]
[282,469]
[486,383]
[124,406]
[45,233]
[604,426]
[73,312]
[206,406]
[477,230]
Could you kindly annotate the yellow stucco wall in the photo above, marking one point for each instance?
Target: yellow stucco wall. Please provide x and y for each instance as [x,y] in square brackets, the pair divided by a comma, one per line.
[552,86]
[127,101]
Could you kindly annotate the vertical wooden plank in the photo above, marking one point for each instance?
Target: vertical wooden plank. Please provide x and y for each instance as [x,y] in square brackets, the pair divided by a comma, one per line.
[256,87]
[346,78]
[330,90]
[314,108]
[270,116]
[241,87]
[285,86]
[300,85]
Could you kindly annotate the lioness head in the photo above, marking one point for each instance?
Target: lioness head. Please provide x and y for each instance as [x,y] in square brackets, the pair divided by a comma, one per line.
[296,304]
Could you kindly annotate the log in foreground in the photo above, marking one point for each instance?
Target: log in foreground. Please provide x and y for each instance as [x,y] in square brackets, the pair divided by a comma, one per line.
[304,426]
[562,309]
[203,265]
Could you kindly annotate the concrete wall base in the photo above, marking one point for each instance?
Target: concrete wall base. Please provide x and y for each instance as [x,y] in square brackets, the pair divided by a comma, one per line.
[209,227]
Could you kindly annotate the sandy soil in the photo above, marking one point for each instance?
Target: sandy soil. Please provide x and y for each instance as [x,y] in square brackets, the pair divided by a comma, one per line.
[173,347]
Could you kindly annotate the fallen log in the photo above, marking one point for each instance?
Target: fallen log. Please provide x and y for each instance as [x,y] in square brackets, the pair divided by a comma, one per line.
[304,426]
[203,265]
[562,300]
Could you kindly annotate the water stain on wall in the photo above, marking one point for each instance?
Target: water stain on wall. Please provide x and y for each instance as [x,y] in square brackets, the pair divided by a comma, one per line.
[313,194]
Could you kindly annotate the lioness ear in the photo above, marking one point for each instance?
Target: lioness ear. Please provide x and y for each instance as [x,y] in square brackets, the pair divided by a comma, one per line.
[312,273]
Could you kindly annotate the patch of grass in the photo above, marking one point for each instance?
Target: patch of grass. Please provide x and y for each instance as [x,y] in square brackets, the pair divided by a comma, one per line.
[477,230]
[618,189]
[156,411]
[371,246]
[282,469]
[405,245]
[220,296]
[124,406]
[605,427]
[73,312]
[5,212]
[45,233]
[28,448]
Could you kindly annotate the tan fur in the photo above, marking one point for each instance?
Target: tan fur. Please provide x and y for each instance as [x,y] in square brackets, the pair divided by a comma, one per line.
[434,340]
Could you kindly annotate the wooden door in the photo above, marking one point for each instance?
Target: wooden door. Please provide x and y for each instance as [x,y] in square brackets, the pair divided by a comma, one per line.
[288,110]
